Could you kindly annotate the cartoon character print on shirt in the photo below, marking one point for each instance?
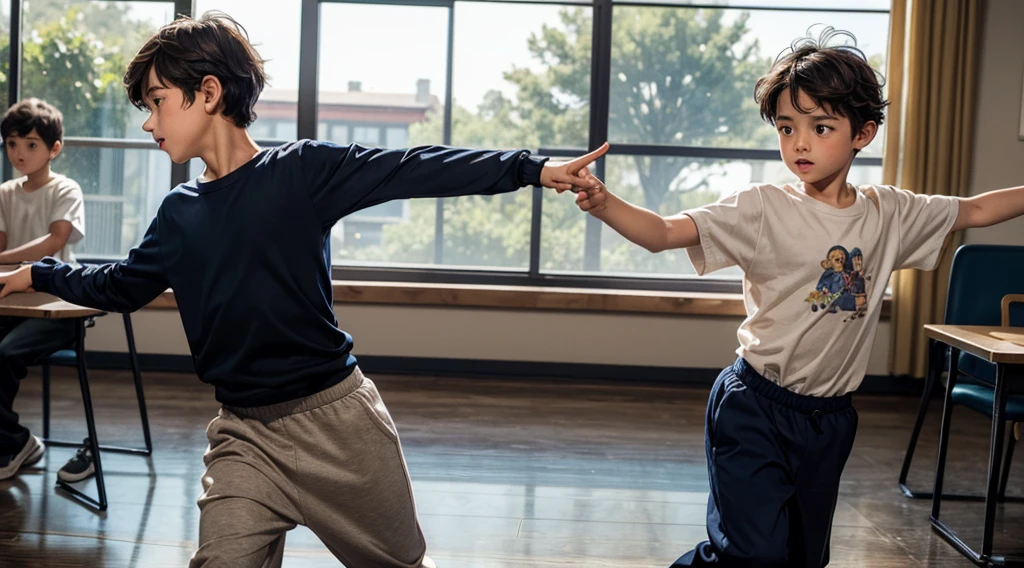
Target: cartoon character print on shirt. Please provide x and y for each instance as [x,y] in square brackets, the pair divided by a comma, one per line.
[843,284]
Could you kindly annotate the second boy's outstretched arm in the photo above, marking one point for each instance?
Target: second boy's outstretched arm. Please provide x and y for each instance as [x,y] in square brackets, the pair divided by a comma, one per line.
[641,226]
[990,208]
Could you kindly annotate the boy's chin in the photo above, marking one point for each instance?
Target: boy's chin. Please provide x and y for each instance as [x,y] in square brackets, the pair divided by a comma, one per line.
[178,159]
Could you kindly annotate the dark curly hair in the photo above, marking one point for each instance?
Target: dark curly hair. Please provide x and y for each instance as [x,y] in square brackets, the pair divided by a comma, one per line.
[186,50]
[20,119]
[835,75]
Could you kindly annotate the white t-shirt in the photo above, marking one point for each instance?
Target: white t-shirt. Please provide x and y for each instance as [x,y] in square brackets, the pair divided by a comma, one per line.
[26,215]
[815,275]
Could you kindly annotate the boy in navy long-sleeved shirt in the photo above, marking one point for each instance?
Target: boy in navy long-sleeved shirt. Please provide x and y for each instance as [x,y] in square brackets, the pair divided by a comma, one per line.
[303,437]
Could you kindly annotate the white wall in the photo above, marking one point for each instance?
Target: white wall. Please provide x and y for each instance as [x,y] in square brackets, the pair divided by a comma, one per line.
[644,340]
[508,335]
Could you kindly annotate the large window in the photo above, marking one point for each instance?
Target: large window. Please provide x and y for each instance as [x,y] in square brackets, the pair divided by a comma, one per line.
[74,55]
[382,82]
[275,33]
[668,82]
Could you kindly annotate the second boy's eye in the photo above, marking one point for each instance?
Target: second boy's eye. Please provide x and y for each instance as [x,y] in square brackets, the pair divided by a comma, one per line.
[32,146]
[823,129]
[787,130]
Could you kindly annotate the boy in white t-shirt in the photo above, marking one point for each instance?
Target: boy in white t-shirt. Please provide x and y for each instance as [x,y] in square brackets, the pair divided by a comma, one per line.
[41,214]
[816,257]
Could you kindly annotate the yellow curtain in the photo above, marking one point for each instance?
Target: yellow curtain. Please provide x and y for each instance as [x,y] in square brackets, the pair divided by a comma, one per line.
[933,48]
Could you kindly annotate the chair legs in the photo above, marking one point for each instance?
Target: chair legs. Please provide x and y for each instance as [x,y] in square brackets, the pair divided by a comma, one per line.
[140,396]
[935,356]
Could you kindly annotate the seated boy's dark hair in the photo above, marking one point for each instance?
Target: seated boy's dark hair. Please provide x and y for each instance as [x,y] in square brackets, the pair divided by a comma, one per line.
[186,50]
[36,114]
[839,76]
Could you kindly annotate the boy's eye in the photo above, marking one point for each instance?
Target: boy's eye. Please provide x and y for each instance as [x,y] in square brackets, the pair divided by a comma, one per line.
[32,145]
[822,129]
[787,130]
[156,102]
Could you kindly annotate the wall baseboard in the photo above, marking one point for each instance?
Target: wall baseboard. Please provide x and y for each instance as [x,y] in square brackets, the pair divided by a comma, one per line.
[371,364]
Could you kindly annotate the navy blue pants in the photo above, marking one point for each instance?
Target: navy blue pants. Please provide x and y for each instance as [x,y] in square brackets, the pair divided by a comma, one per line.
[774,459]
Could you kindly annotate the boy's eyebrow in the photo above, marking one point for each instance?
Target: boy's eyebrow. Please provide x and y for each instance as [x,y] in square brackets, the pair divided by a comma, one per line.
[153,88]
[815,117]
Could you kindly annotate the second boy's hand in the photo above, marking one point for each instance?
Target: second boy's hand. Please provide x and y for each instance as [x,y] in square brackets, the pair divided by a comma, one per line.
[571,175]
[19,280]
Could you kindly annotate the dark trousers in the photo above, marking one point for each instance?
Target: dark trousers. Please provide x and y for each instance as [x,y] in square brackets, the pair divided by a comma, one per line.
[24,342]
[774,461]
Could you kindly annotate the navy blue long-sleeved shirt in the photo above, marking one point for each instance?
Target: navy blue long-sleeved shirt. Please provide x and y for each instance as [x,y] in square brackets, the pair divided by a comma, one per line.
[248,257]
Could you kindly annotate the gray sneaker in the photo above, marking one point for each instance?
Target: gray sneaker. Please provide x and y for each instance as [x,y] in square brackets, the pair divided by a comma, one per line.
[29,454]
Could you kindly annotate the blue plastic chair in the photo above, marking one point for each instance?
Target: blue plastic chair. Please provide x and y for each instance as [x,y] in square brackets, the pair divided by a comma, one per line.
[981,275]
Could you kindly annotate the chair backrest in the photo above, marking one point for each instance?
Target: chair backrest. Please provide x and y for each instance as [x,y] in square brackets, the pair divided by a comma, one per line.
[979,278]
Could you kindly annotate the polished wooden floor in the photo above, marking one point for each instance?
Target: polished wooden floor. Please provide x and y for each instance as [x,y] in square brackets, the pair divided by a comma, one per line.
[519,474]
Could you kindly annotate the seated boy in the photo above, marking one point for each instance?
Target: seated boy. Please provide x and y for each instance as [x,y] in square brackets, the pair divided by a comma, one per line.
[41,214]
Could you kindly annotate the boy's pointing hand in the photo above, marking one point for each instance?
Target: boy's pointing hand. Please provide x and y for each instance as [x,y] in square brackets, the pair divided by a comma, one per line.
[567,176]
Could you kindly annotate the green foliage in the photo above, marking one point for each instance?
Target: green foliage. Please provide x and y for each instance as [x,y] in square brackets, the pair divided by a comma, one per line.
[73,55]
[679,77]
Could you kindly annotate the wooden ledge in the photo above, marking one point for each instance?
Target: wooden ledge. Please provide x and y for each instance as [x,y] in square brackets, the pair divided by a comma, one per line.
[528,298]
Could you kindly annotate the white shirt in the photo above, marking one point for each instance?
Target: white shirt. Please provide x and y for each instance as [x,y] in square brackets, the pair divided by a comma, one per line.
[26,215]
[815,275]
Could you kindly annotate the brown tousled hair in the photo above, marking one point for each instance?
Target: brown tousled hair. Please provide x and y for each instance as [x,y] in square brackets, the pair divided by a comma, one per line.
[186,50]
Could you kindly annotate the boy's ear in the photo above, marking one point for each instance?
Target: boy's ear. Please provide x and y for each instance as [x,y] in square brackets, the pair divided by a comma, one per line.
[866,135]
[58,146]
[210,94]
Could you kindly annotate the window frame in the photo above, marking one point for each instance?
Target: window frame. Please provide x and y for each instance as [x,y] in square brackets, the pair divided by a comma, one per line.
[307,123]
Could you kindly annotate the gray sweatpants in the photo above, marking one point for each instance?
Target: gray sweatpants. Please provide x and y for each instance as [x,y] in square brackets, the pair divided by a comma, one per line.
[331,462]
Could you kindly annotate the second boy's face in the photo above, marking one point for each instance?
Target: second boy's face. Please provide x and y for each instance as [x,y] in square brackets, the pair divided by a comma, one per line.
[175,127]
[819,145]
[29,154]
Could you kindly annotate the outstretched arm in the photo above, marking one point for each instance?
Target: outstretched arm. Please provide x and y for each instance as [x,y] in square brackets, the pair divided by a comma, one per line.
[342,180]
[123,286]
[641,226]
[990,208]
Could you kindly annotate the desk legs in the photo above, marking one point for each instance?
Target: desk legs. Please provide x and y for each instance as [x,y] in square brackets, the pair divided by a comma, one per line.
[83,379]
[947,415]
[129,334]
[996,454]
[985,558]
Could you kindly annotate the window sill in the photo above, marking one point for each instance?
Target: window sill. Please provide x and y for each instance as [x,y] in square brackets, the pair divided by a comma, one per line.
[529,298]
